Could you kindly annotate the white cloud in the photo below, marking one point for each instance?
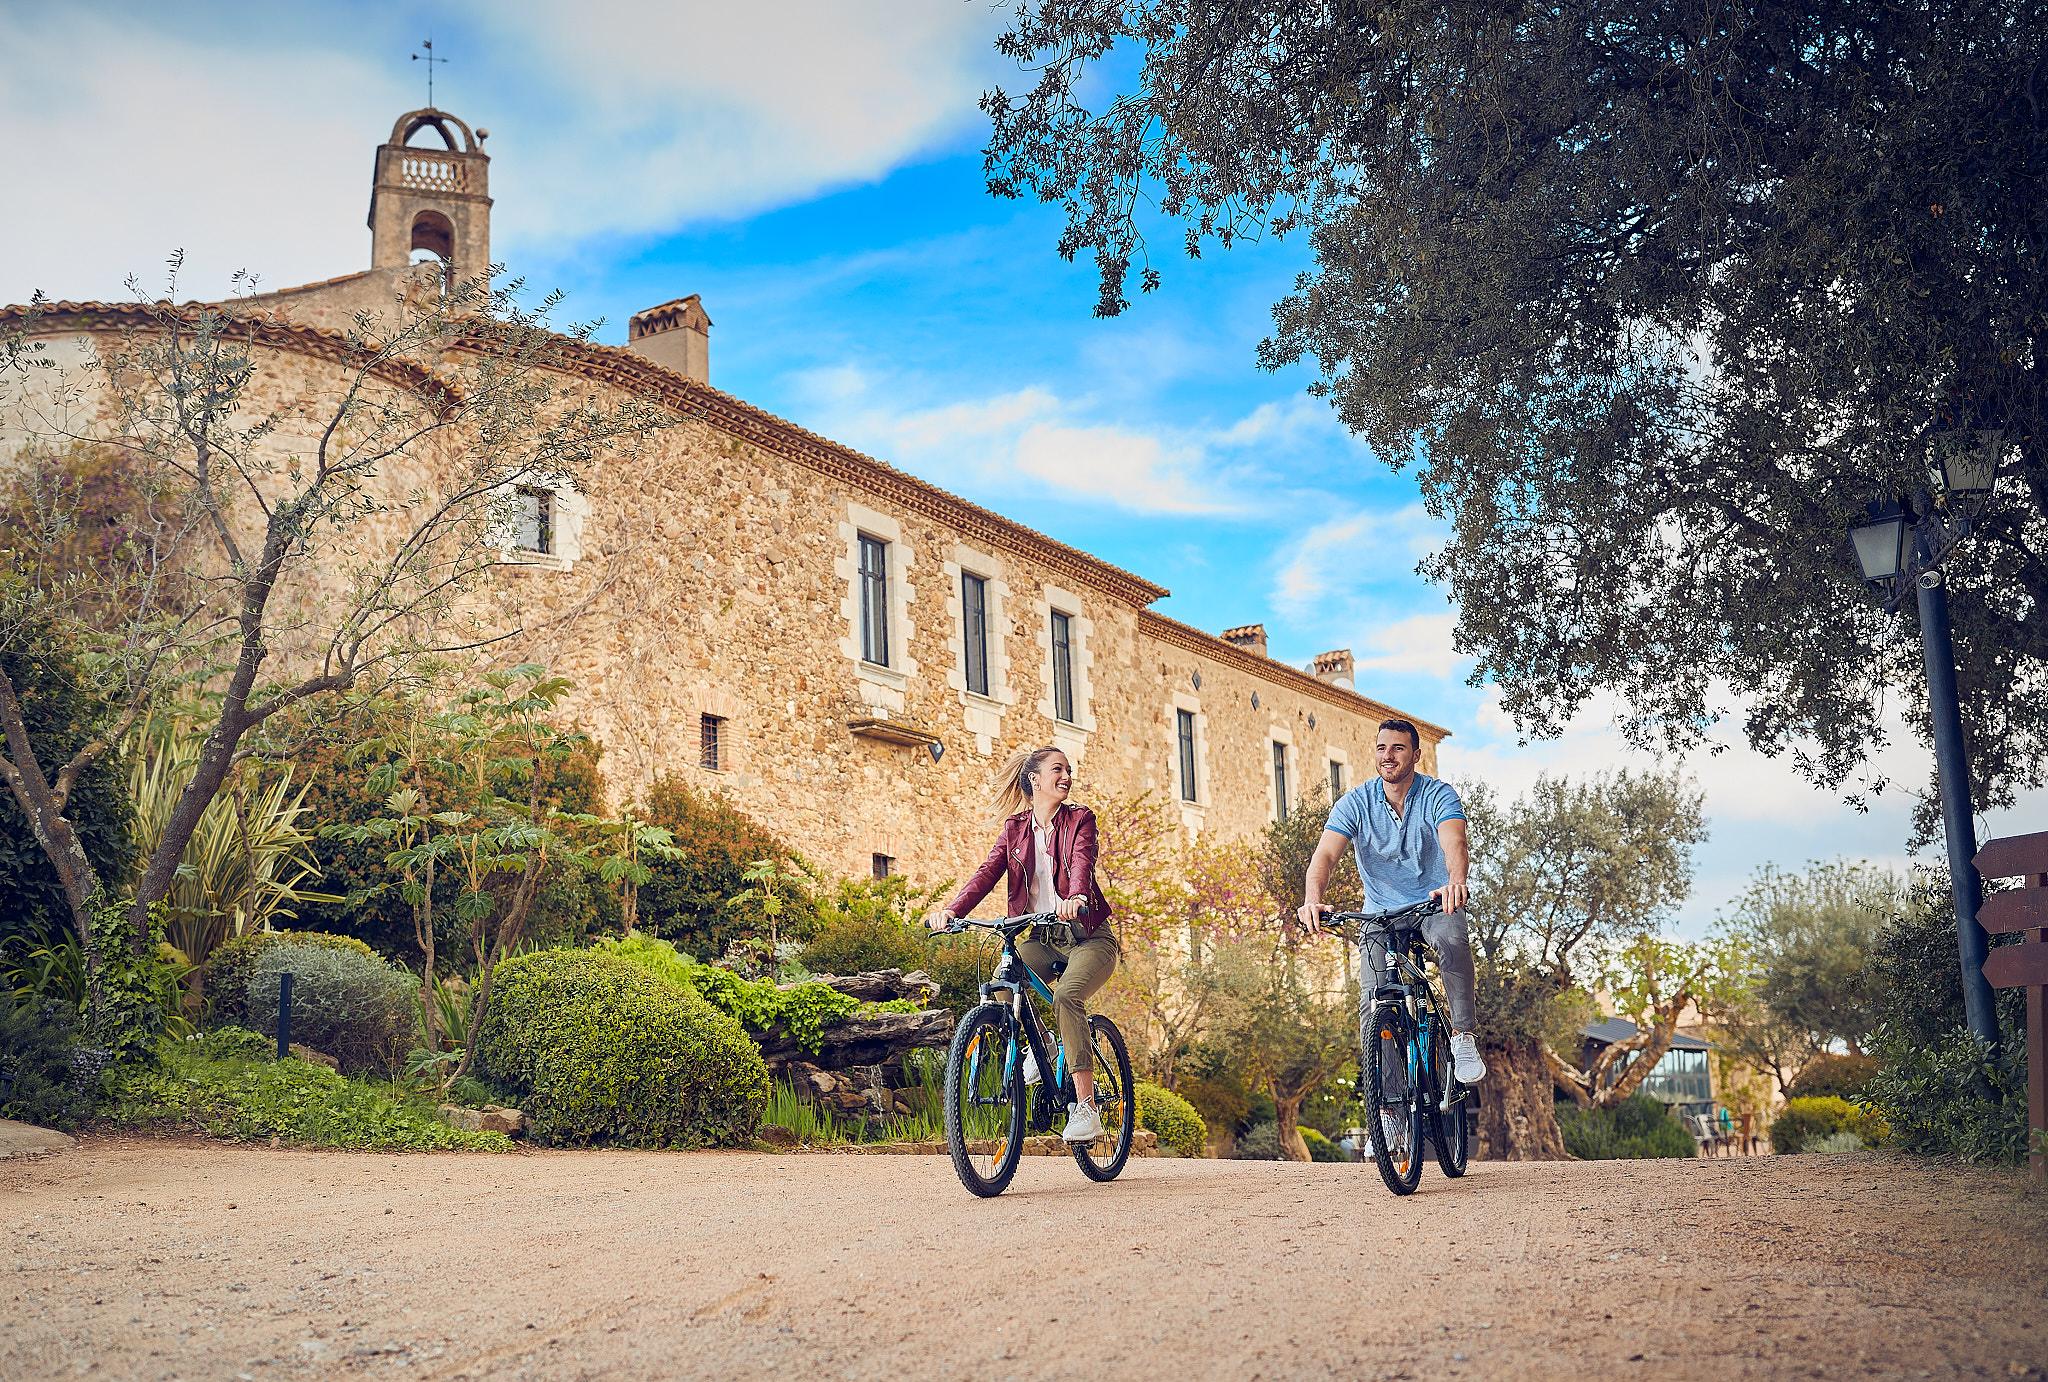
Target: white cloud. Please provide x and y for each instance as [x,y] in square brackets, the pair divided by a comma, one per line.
[1419,645]
[1030,438]
[1336,560]
[245,137]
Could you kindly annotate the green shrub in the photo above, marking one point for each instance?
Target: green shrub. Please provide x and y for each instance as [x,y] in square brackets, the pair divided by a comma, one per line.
[1260,1142]
[1637,1127]
[291,1100]
[357,1008]
[803,1010]
[229,967]
[685,900]
[870,923]
[1321,1148]
[1802,1123]
[1933,1078]
[1172,1118]
[1837,1142]
[596,1049]
[234,1043]
[37,1083]
[1840,1075]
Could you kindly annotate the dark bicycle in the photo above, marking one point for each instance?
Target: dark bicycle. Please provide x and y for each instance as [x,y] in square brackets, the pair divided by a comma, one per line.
[989,1107]
[1405,1044]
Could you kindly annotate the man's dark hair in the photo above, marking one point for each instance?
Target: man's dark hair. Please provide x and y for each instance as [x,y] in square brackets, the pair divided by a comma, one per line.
[1414,738]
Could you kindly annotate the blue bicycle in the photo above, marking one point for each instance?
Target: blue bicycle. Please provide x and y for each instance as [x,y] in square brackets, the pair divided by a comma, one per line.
[989,1105]
[1411,1091]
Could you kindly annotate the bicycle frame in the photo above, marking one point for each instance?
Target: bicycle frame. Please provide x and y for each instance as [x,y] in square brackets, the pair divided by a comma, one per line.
[1003,982]
[1408,983]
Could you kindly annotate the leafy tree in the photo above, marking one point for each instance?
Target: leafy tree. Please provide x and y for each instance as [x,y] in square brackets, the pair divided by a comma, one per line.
[685,899]
[1656,297]
[1564,882]
[1802,943]
[1292,1022]
[392,485]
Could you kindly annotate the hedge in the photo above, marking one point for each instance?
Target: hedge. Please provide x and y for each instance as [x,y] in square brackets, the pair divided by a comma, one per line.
[359,1009]
[1803,1124]
[1172,1119]
[598,1050]
[233,963]
[1637,1127]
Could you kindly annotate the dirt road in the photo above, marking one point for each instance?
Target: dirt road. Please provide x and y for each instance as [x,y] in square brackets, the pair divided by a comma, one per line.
[138,1259]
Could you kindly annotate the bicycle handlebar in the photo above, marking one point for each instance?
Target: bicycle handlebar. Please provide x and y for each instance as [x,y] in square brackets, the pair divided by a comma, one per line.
[1009,926]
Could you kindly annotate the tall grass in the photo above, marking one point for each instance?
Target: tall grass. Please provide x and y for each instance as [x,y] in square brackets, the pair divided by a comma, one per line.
[812,1125]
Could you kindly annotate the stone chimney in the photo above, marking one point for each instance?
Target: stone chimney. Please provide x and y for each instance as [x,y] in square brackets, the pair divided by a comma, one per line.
[1250,637]
[1334,667]
[676,335]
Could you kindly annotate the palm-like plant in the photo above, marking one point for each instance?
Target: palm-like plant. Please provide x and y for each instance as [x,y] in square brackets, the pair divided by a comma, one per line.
[247,861]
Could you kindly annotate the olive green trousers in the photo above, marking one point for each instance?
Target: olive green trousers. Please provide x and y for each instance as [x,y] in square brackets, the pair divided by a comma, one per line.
[1089,965]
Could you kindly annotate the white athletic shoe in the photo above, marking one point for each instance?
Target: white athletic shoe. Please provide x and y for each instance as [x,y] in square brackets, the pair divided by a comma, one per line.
[1030,1067]
[1084,1124]
[1465,1062]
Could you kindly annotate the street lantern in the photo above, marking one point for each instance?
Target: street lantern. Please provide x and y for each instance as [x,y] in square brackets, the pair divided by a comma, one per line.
[1969,462]
[1881,542]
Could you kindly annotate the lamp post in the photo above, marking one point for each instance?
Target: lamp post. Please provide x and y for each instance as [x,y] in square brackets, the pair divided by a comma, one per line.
[1907,542]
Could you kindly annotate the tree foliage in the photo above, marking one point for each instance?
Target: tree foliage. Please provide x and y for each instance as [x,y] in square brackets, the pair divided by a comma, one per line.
[1656,296]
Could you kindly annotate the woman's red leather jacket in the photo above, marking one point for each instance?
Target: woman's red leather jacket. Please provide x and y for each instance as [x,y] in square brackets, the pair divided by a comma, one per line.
[1015,857]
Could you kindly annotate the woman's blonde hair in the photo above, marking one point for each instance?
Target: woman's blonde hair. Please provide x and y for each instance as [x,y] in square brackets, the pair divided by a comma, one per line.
[1013,780]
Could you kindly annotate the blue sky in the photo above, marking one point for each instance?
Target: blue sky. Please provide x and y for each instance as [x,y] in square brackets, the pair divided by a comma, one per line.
[813,171]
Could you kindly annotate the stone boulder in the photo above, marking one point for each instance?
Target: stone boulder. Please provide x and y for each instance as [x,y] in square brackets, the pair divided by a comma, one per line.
[490,1118]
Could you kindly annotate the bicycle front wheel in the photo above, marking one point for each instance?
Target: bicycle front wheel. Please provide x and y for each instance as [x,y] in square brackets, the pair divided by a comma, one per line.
[1115,1099]
[985,1100]
[1450,1129]
[1392,1098]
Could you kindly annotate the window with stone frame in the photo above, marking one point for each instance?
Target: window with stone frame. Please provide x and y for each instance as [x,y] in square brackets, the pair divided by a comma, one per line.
[1063,666]
[874,600]
[1281,795]
[1186,738]
[1337,787]
[883,865]
[974,631]
[533,519]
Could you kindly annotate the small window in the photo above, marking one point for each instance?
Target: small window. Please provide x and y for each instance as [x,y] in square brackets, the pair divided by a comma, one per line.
[874,600]
[711,742]
[1280,792]
[974,630]
[1336,779]
[1063,667]
[534,520]
[1187,754]
[884,865]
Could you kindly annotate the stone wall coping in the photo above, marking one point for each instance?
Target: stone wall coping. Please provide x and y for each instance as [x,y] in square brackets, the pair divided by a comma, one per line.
[1192,639]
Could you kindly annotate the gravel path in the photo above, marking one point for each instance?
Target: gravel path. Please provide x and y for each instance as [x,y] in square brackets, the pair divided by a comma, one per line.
[144,1259]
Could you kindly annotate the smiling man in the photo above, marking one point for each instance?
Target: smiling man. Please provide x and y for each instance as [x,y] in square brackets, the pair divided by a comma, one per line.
[1407,830]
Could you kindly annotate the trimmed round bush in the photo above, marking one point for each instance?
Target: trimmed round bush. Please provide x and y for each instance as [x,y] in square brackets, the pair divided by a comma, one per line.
[1839,1075]
[598,1050]
[1172,1119]
[228,968]
[357,1008]
[1636,1128]
[1803,1124]
[1321,1148]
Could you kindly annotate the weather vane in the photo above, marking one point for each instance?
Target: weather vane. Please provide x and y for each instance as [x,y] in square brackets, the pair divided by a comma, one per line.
[429,59]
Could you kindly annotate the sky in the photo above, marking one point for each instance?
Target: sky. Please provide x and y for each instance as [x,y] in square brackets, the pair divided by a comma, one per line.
[813,171]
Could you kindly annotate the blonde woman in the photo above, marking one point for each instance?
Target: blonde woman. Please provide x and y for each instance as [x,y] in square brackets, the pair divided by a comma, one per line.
[1046,851]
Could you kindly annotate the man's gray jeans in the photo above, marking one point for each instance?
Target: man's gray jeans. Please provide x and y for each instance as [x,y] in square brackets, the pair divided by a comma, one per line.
[1448,935]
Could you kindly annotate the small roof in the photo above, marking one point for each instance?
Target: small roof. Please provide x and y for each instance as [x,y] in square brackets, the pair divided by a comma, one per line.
[1616,1029]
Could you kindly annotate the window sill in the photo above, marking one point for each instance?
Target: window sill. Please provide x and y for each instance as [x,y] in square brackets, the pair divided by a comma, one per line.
[539,561]
[882,672]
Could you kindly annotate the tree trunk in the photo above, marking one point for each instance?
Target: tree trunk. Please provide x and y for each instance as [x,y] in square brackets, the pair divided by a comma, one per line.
[1517,1119]
[1287,1121]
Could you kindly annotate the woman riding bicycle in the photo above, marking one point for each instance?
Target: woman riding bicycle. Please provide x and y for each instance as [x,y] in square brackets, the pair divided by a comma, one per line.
[1046,851]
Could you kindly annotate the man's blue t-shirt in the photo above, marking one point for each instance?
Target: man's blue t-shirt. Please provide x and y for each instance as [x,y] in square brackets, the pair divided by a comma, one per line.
[1399,857]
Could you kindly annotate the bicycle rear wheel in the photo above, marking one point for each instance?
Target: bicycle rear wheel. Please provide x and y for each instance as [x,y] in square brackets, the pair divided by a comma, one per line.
[1398,1153]
[1115,1100]
[1450,1129]
[985,1100]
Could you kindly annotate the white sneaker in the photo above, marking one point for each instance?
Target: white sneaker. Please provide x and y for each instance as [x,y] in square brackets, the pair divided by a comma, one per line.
[1465,1062]
[1030,1067]
[1084,1124]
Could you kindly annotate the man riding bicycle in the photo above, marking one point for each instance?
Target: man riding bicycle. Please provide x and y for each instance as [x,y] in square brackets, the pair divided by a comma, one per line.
[1407,830]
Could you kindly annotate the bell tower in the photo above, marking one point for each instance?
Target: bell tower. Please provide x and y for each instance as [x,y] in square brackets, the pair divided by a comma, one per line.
[429,201]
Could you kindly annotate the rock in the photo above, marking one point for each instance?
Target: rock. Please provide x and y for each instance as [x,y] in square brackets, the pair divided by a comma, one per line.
[26,1139]
[312,1057]
[881,985]
[494,1118]
[775,1135]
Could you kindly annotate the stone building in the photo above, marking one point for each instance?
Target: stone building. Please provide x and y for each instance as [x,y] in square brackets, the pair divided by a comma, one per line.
[843,649]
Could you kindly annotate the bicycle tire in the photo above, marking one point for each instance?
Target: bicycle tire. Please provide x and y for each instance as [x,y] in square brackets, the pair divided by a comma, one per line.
[1389,1028]
[985,1029]
[1450,1131]
[1115,1097]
